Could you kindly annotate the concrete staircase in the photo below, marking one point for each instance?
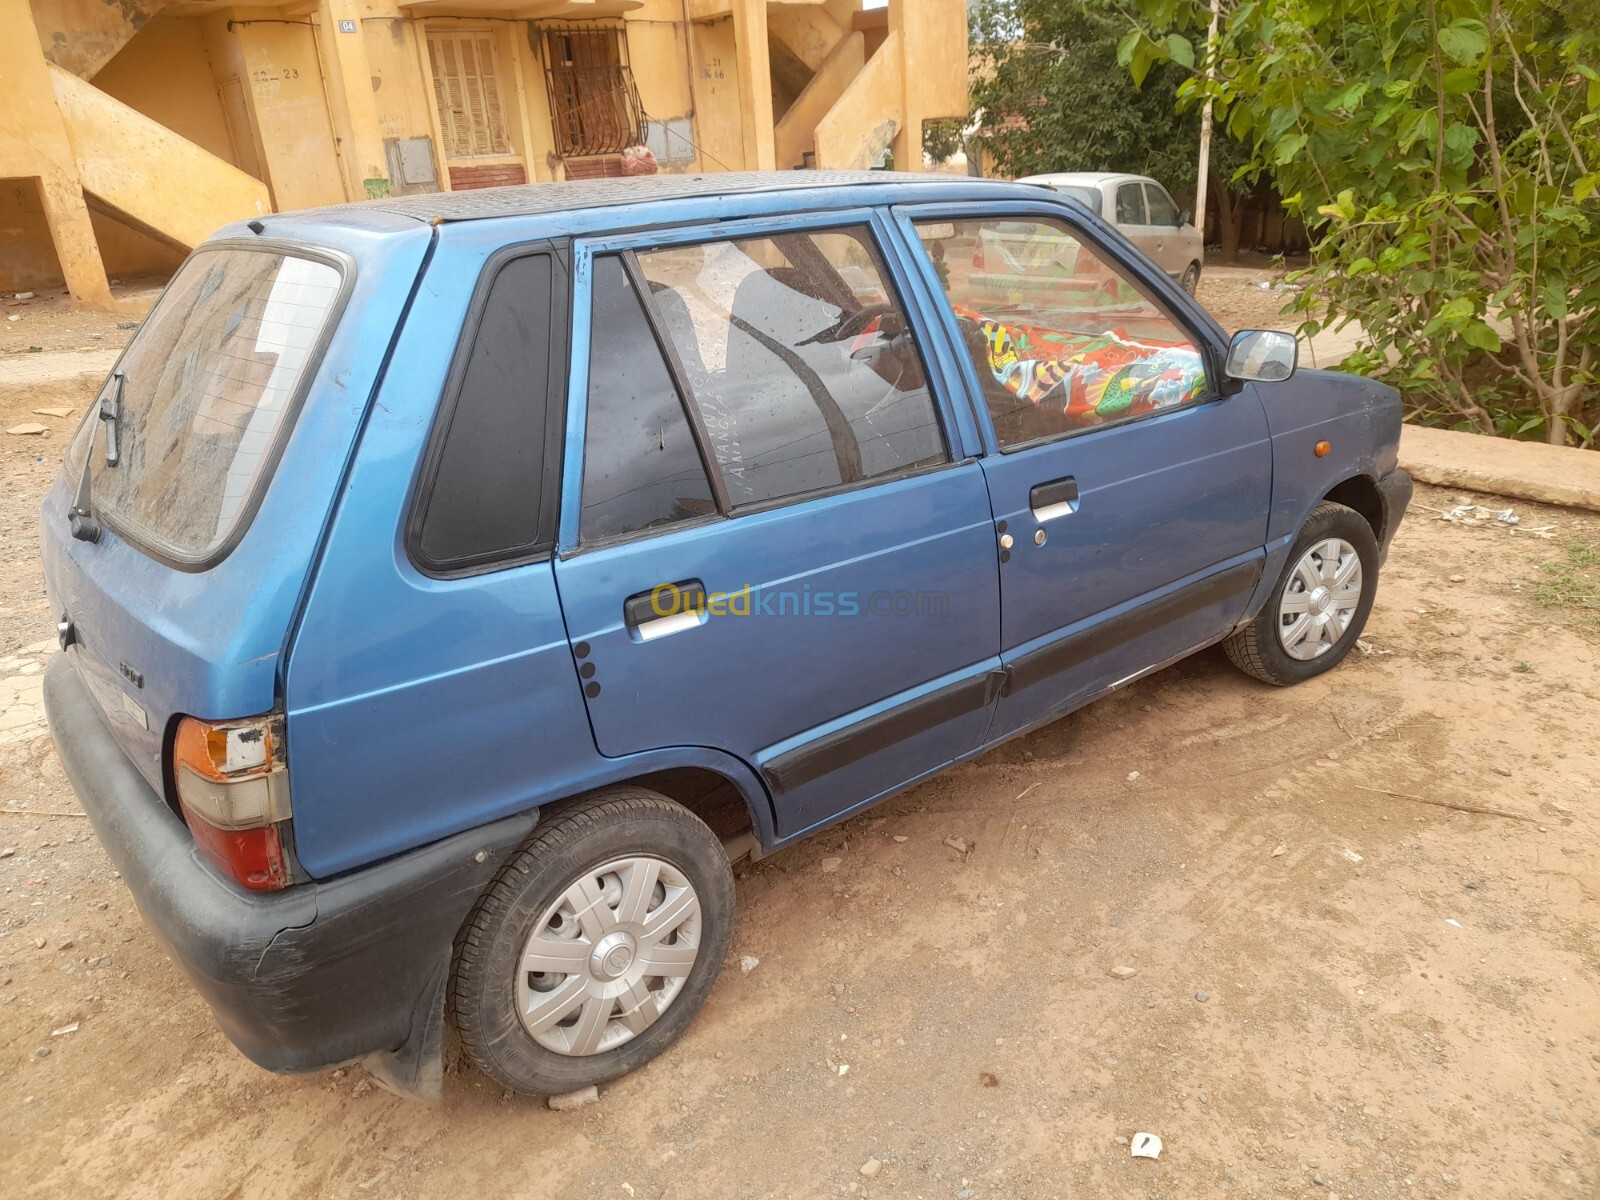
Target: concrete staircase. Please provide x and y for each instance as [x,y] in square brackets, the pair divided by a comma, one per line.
[84,35]
[869,69]
[143,173]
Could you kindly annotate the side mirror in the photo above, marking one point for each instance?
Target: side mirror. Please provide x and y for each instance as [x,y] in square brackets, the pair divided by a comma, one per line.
[1185,218]
[1262,355]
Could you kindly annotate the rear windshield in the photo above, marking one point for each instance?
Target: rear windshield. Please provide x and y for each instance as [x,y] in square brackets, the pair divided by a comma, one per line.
[1087,196]
[208,388]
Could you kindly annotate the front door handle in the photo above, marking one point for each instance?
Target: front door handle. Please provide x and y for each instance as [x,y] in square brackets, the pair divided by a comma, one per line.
[665,608]
[1058,498]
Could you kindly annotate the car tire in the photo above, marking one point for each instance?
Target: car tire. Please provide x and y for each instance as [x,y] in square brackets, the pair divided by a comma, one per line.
[574,896]
[1277,647]
[1191,278]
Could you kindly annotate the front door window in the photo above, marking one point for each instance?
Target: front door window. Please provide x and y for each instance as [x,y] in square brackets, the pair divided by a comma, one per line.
[1062,340]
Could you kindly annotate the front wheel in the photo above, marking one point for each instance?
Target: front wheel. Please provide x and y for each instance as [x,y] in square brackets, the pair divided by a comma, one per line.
[596,945]
[1318,609]
[1191,278]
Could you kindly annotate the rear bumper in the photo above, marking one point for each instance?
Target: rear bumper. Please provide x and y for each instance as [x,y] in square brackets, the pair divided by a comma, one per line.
[1395,489]
[318,974]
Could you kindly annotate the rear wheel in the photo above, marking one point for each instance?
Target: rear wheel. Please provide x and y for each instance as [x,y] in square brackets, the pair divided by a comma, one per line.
[596,946]
[1319,607]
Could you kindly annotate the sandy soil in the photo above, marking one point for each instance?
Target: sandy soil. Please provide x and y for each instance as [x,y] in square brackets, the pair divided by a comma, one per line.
[1344,987]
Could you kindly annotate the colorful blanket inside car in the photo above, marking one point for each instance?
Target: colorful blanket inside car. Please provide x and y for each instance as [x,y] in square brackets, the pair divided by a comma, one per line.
[1093,377]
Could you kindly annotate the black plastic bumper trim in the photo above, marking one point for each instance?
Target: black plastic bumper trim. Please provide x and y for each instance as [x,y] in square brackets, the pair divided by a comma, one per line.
[1395,488]
[319,974]
[854,742]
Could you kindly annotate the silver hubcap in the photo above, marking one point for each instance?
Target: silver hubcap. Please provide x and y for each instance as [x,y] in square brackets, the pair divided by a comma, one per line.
[608,957]
[1320,599]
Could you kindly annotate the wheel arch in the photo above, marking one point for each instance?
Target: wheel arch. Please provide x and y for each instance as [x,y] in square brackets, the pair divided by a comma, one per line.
[1360,492]
[716,787]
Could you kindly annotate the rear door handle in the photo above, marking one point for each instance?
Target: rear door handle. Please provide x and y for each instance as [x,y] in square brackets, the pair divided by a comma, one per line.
[1058,498]
[665,608]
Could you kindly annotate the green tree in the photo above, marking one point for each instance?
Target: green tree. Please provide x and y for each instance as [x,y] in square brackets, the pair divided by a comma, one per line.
[1052,96]
[941,140]
[1446,156]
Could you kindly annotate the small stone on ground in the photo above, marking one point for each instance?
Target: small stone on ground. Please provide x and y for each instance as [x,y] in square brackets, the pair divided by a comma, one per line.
[577,1099]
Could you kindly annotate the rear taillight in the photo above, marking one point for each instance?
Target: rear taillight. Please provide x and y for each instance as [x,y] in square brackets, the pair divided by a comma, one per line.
[233,790]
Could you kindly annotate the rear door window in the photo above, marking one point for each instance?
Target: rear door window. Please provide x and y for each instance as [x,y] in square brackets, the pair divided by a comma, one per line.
[208,391]
[800,362]
[1130,204]
[641,468]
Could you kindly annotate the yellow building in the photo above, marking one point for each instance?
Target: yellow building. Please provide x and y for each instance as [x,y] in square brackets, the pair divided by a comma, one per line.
[130,129]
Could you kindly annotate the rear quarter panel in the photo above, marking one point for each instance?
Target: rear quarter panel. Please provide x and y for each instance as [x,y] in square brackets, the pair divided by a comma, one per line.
[208,643]
[420,706]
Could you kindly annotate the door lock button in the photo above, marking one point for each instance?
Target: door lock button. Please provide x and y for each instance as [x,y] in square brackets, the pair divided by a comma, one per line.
[1007,541]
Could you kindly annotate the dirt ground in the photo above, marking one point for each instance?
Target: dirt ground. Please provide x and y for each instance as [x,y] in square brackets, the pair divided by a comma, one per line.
[47,321]
[1345,987]
[1236,298]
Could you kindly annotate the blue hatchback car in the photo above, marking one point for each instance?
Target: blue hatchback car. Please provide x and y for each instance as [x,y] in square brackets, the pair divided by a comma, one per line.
[452,586]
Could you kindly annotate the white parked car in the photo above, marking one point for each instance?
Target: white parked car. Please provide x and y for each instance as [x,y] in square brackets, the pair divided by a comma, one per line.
[1145,213]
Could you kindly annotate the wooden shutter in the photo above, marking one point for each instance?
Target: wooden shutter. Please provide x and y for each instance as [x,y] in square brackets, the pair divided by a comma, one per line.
[467,91]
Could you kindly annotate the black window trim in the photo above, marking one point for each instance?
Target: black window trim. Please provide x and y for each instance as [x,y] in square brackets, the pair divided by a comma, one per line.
[346,266]
[1215,385]
[559,251]
[680,379]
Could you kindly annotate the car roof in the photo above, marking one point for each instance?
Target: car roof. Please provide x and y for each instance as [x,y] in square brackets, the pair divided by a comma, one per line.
[536,199]
[1084,178]
[591,207]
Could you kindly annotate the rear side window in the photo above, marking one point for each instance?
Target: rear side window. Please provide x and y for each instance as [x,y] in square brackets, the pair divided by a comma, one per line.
[208,391]
[641,468]
[800,360]
[496,477]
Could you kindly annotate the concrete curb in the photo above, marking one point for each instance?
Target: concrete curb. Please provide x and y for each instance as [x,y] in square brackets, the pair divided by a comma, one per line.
[1520,470]
[91,366]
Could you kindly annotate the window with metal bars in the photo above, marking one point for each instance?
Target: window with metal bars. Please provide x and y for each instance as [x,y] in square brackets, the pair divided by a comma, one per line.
[471,116]
[594,105]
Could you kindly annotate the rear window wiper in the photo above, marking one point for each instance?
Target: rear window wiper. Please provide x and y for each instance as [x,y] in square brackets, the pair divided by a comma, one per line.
[111,414]
[81,517]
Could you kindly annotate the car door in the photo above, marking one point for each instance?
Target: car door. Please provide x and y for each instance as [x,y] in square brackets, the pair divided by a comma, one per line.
[1130,495]
[823,600]
[1133,219]
[1171,252]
